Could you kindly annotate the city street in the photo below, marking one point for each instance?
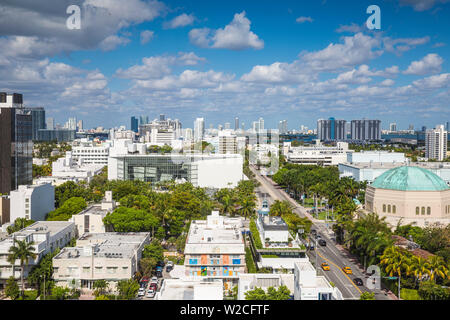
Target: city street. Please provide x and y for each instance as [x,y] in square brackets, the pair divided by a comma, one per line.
[336,256]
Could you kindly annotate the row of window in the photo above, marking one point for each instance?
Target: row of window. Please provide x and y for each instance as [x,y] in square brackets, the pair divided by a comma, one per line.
[421,210]
[389,209]
[447,209]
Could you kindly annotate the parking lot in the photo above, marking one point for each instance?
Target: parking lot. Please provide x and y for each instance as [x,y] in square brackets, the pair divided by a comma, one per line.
[165,275]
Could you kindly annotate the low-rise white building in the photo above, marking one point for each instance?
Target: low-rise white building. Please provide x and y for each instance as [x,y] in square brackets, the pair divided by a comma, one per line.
[46,237]
[111,256]
[91,219]
[199,289]
[251,281]
[310,286]
[318,154]
[66,169]
[273,229]
[32,202]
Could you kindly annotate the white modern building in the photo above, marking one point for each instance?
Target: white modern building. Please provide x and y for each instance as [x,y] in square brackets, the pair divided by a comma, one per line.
[215,249]
[227,143]
[310,286]
[251,281]
[91,219]
[46,237]
[111,256]
[436,143]
[32,202]
[89,153]
[66,169]
[199,129]
[317,154]
[129,161]
[376,156]
[273,229]
[199,289]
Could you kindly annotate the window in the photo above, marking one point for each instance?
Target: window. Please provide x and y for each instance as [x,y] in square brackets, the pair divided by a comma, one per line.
[384,208]
[86,269]
[394,209]
[428,210]
[389,208]
[423,211]
[417,210]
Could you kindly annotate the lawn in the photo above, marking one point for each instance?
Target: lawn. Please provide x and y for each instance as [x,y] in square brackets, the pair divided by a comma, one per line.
[410,294]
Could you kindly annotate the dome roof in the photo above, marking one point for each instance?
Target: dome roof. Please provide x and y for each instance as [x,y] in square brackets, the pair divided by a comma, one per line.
[410,179]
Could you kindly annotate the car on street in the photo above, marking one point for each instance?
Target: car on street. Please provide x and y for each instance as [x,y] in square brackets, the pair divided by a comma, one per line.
[313,232]
[145,279]
[159,271]
[325,266]
[358,281]
[347,270]
[153,286]
[169,268]
[154,280]
[150,293]
[322,242]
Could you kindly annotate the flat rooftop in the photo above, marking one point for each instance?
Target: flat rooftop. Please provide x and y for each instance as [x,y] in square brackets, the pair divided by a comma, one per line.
[95,209]
[391,165]
[175,289]
[43,227]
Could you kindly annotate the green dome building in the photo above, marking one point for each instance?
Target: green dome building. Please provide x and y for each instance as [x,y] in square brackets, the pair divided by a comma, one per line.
[412,194]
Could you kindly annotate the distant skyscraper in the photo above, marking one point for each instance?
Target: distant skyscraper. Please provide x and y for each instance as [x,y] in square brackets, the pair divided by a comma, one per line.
[424,128]
[143,120]
[227,126]
[71,124]
[50,124]
[236,123]
[243,126]
[393,127]
[16,145]
[199,129]
[436,143]
[447,126]
[162,117]
[366,130]
[255,126]
[80,125]
[134,124]
[331,129]
[261,124]
[282,127]
[411,127]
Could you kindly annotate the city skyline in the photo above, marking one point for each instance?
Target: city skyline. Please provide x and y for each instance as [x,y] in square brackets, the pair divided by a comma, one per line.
[311,60]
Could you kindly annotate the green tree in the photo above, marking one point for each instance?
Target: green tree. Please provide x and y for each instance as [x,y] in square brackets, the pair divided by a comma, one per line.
[12,288]
[19,224]
[70,207]
[146,265]
[128,289]
[282,293]
[255,294]
[22,251]
[153,250]
[367,296]
[100,287]
[428,290]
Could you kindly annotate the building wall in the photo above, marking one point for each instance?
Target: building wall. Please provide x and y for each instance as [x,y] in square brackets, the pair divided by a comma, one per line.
[32,203]
[435,204]
[219,173]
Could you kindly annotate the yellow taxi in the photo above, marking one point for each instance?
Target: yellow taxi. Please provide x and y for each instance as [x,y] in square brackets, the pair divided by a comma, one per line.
[347,270]
[325,266]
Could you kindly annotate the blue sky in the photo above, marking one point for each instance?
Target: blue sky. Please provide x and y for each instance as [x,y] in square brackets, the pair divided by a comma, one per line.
[294,60]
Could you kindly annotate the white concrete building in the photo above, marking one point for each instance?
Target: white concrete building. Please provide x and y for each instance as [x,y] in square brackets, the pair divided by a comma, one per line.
[376,156]
[273,229]
[179,289]
[227,143]
[46,237]
[251,281]
[436,143]
[110,256]
[32,202]
[66,169]
[91,219]
[318,154]
[88,153]
[310,286]
[215,249]
[199,129]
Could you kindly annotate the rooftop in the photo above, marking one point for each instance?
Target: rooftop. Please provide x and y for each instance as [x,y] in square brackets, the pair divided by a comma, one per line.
[408,178]
[43,227]
[176,289]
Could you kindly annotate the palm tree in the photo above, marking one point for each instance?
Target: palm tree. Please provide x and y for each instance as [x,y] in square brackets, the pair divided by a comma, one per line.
[23,251]
[421,267]
[438,268]
[247,207]
[227,204]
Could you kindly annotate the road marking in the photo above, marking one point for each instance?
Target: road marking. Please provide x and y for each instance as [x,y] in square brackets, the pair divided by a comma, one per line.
[340,270]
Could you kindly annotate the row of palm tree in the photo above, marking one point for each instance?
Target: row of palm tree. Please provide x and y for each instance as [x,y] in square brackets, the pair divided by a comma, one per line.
[238,201]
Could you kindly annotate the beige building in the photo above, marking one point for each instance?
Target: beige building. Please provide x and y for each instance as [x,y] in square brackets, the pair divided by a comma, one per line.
[410,194]
[111,256]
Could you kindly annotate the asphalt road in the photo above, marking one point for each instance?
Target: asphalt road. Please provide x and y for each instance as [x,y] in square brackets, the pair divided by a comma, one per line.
[334,255]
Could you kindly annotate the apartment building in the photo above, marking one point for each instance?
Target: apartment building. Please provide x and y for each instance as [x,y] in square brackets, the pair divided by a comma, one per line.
[215,249]
[46,237]
[436,143]
[111,256]
[32,202]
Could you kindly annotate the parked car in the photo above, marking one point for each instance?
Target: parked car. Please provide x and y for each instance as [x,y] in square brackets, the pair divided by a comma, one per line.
[145,279]
[322,242]
[325,266]
[151,293]
[153,286]
[313,232]
[358,281]
[154,280]
[169,268]
[160,264]
[141,292]
[347,270]
[159,271]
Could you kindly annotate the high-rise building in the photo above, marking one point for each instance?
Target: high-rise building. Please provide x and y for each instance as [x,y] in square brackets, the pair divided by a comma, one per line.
[331,129]
[162,117]
[393,127]
[243,126]
[71,124]
[199,129]
[227,126]
[37,120]
[411,127]
[80,125]
[16,146]
[366,130]
[436,143]
[236,123]
[261,124]
[134,124]
[227,143]
[143,120]
[282,127]
[256,126]
[50,124]
[447,126]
